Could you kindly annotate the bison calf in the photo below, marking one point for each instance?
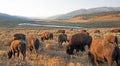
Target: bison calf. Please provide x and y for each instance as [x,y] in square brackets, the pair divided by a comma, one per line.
[33,43]
[17,46]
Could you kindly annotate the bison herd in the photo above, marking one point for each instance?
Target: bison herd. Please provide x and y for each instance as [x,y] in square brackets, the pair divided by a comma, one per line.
[100,50]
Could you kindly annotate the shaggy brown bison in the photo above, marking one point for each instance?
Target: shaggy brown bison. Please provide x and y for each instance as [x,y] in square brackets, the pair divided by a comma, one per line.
[78,42]
[60,31]
[96,31]
[62,38]
[115,30]
[46,36]
[17,46]
[33,43]
[83,30]
[102,50]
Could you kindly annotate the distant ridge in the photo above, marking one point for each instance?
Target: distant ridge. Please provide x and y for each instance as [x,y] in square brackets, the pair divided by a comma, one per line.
[4,16]
[11,21]
[85,11]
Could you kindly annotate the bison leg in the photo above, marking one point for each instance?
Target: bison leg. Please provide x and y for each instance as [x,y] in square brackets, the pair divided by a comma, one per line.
[36,52]
[14,54]
[18,53]
[110,62]
[60,44]
[118,62]
[95,60]
[92,58]
[24,54]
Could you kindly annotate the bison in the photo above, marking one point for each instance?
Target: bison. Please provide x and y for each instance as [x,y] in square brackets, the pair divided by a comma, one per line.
[117,30]
[62,38]
[78,42]
[46,35]
[18,37]
[33,43]
[102,50]
[83,30]
[60,31]
[96,31]
[17,46]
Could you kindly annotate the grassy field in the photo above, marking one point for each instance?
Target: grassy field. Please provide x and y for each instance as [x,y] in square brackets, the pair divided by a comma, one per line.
[49,52]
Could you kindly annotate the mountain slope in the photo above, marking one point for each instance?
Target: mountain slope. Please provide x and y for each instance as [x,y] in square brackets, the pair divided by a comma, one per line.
[86,11]
[96,17]
[10,17]
[11,21]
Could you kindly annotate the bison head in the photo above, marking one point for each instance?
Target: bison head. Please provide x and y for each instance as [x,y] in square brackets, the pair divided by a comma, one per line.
[69,50]
[9,54]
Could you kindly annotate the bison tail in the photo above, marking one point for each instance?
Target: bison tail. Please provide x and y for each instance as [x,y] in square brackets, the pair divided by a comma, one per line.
[36,44]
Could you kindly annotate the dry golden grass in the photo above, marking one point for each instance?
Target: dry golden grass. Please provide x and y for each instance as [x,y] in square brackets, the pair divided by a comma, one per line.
[50,54]
[101,18]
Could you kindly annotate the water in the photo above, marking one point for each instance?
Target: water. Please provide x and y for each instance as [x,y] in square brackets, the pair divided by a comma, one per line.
[54,26]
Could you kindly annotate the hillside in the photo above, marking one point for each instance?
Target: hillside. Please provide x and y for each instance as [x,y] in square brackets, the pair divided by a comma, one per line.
[11,21]
[85,11]
[104,16]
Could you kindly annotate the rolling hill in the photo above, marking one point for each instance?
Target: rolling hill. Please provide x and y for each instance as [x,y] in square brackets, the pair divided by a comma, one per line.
[103,16]
[85,12]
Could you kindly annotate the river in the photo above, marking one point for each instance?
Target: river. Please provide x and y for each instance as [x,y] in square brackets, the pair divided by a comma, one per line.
[53,26]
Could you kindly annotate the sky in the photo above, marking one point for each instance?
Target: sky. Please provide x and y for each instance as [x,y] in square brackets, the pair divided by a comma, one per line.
[47,8]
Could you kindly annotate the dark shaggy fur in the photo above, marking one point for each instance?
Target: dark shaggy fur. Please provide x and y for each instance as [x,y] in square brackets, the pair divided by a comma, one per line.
[19,37]
[17,46]
[78,42]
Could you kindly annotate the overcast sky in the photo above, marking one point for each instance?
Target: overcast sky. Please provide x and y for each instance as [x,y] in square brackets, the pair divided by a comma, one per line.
[47,8]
